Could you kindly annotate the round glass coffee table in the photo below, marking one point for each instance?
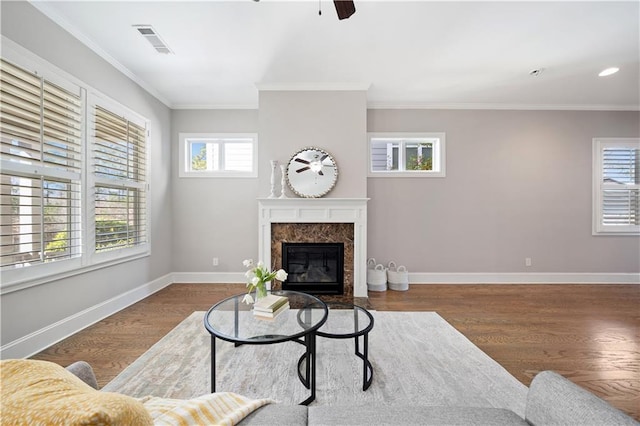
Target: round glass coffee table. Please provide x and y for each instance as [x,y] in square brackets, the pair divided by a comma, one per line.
[359,325]
[233,321]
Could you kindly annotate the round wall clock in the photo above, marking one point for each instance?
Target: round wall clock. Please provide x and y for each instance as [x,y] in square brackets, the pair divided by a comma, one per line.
[312,173]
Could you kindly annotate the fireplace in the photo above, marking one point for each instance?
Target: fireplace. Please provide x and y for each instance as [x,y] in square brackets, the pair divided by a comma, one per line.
[317,220]
[316,268]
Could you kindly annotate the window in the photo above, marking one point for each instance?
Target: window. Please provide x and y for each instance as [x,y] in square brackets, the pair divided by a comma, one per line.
[120,185]
[616,186]
[73,183]
[218,155]
[41,154]
[407,155]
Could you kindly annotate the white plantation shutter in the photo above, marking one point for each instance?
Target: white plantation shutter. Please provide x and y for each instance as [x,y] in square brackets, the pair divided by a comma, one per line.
[617,183]
[119,168]
[227,155]
[620,207]
[238,155]
[62,129]
[41,154]
[71,160]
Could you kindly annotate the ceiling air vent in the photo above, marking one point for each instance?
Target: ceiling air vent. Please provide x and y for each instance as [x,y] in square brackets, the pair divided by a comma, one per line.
[150,34]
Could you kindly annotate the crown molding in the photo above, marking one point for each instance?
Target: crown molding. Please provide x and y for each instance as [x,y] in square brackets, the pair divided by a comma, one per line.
[417,105]
[215,106]
[45,9]
[510,107]
[313,87]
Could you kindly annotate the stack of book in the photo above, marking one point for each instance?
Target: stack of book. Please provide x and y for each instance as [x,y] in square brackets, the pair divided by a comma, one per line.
[270,307]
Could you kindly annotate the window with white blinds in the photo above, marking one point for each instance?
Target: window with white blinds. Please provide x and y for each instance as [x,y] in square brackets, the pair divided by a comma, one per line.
[73,182]
[218,155]
[119,168]
[617,186]
[41,155]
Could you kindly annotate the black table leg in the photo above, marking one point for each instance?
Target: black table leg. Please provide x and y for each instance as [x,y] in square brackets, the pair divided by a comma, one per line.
[213,363]
[366,365]
[310,367]
[313,365]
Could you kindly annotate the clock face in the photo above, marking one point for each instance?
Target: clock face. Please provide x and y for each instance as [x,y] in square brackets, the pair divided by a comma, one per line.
[312,173]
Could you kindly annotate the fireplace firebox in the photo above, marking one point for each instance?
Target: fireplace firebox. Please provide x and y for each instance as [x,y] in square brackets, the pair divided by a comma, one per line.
[316,268]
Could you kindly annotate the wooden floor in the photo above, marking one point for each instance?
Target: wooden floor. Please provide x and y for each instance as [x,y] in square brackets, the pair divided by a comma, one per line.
[588,333]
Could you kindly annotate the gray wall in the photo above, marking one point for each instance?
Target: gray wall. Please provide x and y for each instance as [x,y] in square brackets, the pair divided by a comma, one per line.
[218,217]
[332,120]
[518,185]
[32,309]
[214,217]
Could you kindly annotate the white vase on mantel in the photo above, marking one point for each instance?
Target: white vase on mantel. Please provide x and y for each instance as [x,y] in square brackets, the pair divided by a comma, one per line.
[274,165]
[283,170]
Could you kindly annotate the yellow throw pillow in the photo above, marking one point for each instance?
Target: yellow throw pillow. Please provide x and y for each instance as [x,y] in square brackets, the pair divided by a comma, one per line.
[41,392]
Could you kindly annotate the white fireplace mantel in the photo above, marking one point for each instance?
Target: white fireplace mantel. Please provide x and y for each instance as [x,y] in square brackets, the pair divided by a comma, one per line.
[318,210]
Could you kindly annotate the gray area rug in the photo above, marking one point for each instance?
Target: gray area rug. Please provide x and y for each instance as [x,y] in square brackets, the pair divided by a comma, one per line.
[418,358]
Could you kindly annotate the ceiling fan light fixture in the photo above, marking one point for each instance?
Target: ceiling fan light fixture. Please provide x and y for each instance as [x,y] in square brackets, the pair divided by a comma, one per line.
[608,71]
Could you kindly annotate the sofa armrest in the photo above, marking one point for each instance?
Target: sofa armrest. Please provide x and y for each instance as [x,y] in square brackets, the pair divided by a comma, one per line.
[84,372]
[555,400]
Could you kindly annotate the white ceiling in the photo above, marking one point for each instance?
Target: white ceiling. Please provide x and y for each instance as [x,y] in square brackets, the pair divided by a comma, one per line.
[407,54]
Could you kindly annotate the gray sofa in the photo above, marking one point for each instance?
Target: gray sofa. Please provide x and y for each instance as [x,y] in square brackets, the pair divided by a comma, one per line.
[551,400]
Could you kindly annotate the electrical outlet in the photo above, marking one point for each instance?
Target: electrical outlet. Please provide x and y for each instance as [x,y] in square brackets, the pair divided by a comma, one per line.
[216,261]
[527,261]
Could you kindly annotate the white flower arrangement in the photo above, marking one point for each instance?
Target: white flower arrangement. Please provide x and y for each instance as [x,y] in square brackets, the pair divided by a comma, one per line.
[257,278]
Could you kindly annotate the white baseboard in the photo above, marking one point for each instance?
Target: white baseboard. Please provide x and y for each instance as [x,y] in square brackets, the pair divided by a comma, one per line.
[450,278]
[39,340]
[522,278]
[35,342]
[209,277]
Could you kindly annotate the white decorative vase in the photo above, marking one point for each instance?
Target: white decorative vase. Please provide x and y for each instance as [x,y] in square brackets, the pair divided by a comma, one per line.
[274,164]
[283,169]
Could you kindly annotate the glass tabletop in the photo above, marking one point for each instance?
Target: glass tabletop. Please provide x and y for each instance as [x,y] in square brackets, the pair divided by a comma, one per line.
[233,320]
[346,320]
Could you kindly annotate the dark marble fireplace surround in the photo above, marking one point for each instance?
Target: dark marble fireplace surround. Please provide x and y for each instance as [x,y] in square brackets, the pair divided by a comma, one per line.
[317,233]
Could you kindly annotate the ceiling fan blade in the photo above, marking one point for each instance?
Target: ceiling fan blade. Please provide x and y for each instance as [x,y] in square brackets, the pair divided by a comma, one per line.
[303,169]
[345,8]
[300,160]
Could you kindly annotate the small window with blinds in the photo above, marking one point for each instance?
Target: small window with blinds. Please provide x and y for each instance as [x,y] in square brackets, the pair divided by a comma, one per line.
[41,156]
[120,180]
[218,155]
[616,186]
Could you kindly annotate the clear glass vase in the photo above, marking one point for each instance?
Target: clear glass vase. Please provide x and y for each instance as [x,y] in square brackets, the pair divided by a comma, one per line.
[261,291]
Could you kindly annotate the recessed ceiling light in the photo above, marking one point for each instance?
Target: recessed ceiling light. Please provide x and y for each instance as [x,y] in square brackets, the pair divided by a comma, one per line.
[608,71]
[536,72]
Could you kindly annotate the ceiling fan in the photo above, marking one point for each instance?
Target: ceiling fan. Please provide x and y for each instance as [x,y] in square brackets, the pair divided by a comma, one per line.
[344,8]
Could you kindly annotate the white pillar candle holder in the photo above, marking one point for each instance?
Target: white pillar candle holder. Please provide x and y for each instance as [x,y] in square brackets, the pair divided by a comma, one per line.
[274,164]
[283,169]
